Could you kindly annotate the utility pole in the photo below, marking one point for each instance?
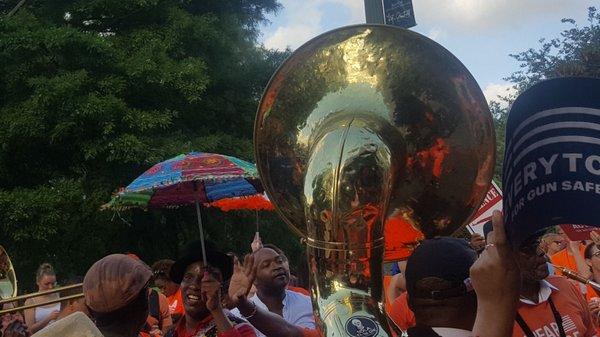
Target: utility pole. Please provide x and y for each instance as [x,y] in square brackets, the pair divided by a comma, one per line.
[374,11]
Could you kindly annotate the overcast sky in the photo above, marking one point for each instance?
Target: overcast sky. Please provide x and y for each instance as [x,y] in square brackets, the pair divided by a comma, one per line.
[481,33]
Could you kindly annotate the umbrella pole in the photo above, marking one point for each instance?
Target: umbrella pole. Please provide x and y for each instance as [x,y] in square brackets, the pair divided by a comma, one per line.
[201,233]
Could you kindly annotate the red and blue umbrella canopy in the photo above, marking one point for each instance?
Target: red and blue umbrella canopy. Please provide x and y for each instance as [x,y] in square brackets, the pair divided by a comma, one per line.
[186,179]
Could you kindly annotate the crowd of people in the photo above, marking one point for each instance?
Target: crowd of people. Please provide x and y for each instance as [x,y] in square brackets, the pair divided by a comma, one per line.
[124,297]
[445,288]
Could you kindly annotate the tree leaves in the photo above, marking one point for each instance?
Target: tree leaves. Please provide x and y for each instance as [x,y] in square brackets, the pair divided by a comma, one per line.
[94,92]
[575,53]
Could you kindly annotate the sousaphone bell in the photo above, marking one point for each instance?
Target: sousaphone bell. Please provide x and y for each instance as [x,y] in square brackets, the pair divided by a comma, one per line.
[362,128]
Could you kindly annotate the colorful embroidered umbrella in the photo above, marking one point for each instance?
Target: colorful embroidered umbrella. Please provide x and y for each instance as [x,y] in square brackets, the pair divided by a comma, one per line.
[195,178]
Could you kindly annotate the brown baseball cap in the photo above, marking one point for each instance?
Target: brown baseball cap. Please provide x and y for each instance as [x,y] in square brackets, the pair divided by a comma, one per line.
[114,281]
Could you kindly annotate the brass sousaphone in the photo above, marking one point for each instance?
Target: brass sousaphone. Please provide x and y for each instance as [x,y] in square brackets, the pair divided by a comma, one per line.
[8,279]
[367,130]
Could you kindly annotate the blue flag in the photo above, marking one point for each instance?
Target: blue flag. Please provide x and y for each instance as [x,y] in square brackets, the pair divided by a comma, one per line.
[551,170]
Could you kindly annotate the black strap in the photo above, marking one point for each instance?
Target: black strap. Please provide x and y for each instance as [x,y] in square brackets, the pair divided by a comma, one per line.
[524,325]
[154,307]
[557,319]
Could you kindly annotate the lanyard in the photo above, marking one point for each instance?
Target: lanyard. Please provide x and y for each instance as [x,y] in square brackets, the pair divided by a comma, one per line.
[557,319]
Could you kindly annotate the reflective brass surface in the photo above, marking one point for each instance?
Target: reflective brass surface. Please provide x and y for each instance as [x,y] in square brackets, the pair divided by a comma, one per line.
[361,128]
[8,279]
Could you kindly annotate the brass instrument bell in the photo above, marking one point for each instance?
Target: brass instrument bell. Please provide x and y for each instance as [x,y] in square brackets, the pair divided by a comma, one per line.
[364,130]
[8,279]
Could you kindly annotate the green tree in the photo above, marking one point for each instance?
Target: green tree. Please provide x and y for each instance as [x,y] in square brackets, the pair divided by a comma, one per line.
[94,92]
[575,53]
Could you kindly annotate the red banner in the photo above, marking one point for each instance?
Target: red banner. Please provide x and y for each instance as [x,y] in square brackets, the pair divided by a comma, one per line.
[578,232]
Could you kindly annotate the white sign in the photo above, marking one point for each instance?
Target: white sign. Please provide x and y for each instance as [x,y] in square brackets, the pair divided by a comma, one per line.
[492,202]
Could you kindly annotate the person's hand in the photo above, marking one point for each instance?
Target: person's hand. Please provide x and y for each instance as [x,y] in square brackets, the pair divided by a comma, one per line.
[211,292]
[594,306]
[16,329]
[573,246]
[595,236]
[54,315]
[155,331]
[477,242]
[495,274]
[256,243]
[241,280]
[496,278]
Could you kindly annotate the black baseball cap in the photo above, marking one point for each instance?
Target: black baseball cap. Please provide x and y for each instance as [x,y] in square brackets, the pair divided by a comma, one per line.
[445,258]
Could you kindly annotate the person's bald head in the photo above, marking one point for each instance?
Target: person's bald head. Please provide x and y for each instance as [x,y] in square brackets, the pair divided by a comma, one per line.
[272,268]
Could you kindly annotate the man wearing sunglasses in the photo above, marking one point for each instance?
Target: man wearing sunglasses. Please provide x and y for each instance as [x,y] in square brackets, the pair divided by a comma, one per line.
[549,305]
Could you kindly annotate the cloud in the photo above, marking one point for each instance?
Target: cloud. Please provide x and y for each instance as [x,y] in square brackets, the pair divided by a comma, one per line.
[435,34]
[493,91]
[303,20]
[467,15]
[290,36]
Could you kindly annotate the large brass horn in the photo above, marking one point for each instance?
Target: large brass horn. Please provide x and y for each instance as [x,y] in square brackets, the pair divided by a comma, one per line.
[361,128]
[8,279]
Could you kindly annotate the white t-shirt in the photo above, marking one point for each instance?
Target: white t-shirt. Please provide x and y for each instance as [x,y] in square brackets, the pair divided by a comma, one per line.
[297,310]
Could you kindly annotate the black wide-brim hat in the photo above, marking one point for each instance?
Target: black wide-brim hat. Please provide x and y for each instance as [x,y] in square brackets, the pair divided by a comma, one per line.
[192,253]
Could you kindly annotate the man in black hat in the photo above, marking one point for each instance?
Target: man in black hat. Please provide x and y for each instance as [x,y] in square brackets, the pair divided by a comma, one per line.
[439,289]
[201,291]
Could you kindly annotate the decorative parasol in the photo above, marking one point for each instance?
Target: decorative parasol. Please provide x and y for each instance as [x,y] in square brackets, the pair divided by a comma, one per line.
[195,178]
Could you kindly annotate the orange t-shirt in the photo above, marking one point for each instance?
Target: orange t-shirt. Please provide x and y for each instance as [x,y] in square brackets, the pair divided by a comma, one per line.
[401,313]
[311,333]
[570,304]
[299,290]
[387,279]
[176,303]
[564,259]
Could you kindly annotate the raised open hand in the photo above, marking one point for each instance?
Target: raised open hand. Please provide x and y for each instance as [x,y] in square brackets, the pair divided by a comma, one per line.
[496,279]
[211,292]
[242,279]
